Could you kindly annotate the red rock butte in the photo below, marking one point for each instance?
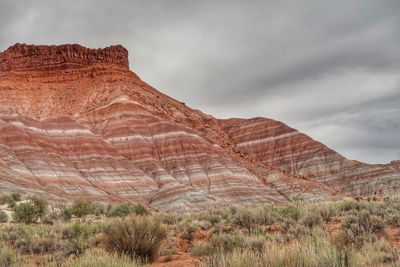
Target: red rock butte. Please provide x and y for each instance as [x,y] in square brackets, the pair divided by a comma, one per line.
[23,57]
[76,122]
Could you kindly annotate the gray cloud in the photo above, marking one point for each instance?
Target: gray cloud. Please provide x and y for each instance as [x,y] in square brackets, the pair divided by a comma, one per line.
[328,68]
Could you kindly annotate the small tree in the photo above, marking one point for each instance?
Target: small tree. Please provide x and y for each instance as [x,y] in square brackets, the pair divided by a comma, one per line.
[81,207]
[31,211]
[3,217]
[39,205]
[24,212]
[16,196]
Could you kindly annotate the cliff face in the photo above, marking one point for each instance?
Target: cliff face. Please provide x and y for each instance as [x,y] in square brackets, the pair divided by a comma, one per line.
[75,122]
[22,57]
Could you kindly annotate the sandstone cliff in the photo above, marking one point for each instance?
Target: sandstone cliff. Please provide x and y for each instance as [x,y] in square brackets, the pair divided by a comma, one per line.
[76,122]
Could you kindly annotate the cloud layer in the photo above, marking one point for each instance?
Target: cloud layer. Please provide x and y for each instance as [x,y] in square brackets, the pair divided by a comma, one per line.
[328,68]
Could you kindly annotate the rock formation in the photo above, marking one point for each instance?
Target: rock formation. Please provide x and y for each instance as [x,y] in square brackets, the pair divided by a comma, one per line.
[76,122]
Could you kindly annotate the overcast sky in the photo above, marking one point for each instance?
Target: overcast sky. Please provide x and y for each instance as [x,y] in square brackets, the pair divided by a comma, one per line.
[328,68]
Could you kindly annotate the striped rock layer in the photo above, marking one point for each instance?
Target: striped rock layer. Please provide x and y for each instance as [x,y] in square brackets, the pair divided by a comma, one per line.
[77,123]
[274,143]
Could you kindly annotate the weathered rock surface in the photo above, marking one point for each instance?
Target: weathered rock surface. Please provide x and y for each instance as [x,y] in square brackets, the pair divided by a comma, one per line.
[274,143]
[76,122]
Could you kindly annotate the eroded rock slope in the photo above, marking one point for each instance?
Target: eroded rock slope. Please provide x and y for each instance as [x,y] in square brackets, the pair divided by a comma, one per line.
[76,122]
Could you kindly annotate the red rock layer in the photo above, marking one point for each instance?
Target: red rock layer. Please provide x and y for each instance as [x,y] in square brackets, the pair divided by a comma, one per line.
[22,57]
[274,143]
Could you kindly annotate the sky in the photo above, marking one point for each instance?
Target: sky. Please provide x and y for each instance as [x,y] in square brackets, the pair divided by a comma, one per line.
[330,69]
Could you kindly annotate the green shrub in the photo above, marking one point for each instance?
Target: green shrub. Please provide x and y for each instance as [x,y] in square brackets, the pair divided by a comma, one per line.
[311,219]
[66,214]
[202,249]
[135,236]
[5,199]
[246,218]
[81,207]
[359,228]
[25,212]
[287,211]
[39,205]
[8,257]
[3,217]
[227,242]
[313,251]
[11,204]
[98,209]
[120,210]
[99,258]
[126,209]
[171,218]
[79,236]
[10,199]
[188,230]
[32,210]
[16,196]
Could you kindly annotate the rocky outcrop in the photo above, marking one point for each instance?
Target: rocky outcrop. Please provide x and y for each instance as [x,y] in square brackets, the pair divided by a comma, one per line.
[22,57]
[274,143]
[75,122]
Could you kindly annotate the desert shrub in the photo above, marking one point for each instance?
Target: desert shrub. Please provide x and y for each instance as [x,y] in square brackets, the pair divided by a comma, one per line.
[81,207]
[202,249]
[171,218]
[25,212]
[286,211]
[5,199]
[204,225]
[139,209]
[79,236]
[126,209]
[211,216]
[314,251]
[94,258]
[39,205]
[188,229]
[16,196]
[135,236]
[227,213]
[11,204]
[311,219]
[37,239]
[120,211]
[255,243]
[15,235]
[326,212]
[46,240]
[359,228]
[66,214]
[237,258]
[293,229]
[246,218]
[32,210]
[98,209]
[227,242]
[8,256]
[346,205]
[266,215]
[393,219]
[3,217]
[378,254]
[12,198]
[57,213]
